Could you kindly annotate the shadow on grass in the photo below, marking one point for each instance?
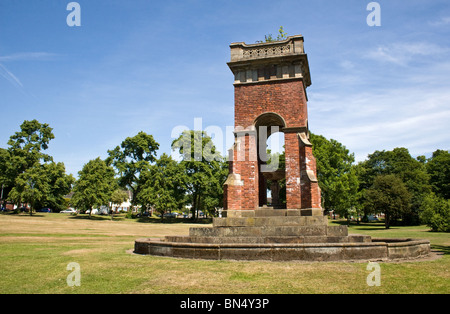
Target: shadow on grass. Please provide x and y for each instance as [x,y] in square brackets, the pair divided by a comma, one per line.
[174,220]
[95,217]
[363,225]
[12,213]
[441,248]
[153,220]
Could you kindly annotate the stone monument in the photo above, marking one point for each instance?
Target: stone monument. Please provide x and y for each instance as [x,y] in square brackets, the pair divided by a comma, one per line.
[270,95]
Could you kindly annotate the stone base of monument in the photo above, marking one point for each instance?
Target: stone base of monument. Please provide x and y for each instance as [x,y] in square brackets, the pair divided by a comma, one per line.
[276,236]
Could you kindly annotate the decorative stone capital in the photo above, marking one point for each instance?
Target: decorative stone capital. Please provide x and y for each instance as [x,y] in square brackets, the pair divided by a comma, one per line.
[262,62]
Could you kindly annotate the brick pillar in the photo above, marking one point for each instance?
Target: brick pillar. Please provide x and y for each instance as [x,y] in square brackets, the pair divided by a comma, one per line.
[242,185]
[293,191]
[310,191]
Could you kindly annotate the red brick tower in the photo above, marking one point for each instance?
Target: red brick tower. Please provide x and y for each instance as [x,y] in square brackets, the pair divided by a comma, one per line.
[270,95]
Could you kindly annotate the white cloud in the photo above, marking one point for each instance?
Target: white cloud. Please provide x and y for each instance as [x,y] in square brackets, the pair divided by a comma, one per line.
[10,76]
[408,117]
[441,22]
[403,53]
[28,56]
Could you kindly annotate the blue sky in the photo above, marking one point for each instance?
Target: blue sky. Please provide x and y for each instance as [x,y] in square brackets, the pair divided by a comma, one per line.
[155,65]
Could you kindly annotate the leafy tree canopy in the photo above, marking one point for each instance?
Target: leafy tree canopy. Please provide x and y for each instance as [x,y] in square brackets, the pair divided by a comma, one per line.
[438,167]
[389,195]
[204,167]
[134,155]
[95,185]
[336,174]
[163,185]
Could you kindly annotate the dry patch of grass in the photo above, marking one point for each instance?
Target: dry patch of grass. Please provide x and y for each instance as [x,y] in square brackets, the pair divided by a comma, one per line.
[35,252]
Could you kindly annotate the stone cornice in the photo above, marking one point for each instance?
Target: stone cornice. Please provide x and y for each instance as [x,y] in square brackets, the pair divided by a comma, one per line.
[264,62]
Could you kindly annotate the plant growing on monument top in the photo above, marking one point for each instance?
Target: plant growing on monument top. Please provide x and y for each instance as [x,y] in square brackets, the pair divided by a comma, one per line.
[282,35]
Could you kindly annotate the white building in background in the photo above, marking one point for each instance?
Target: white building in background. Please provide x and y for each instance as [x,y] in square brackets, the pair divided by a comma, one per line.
[124,207]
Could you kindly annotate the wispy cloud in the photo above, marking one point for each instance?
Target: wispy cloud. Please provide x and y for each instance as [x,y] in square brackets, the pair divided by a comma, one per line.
[401,117]
[8,75]
[21,56]
[403,53]
[28,56]
[440,22]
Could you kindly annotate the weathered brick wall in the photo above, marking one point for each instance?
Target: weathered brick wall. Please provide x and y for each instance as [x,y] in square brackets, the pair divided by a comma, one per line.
[286,98]
[293,187]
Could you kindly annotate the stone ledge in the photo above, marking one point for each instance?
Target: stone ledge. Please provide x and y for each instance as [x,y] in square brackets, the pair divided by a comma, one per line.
[270,221]
[270,212]
[378,250]
[266,231]
[269,240]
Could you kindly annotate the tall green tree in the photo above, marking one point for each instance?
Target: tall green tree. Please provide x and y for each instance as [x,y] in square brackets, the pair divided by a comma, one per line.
[60,184]
[6,181]
[131,158]
[389,195]
[438,168]
[117,198]
[436,213]
[31,187]
[163,185]
[410,171]
[336,175]
[95,185]
[28,173]
[43,186]
[27,146]
[26,150]
[204,169]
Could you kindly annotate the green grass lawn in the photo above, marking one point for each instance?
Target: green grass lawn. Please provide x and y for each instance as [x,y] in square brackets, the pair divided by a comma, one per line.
[35,252]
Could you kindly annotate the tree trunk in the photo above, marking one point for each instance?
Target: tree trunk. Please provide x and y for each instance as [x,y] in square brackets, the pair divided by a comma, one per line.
[387,220]
[194,206]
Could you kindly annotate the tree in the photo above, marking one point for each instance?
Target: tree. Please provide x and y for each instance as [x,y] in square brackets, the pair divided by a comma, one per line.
[132,157]
[163,185]
[95,185]
[31,187]
[410,171]
[438,167]
[117,197]
[204,169]
[29,174]
[25,151]
[436,213]
[6,181]
[388,195]
[213,199]
[336,175]
[59,183]
[27,145]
